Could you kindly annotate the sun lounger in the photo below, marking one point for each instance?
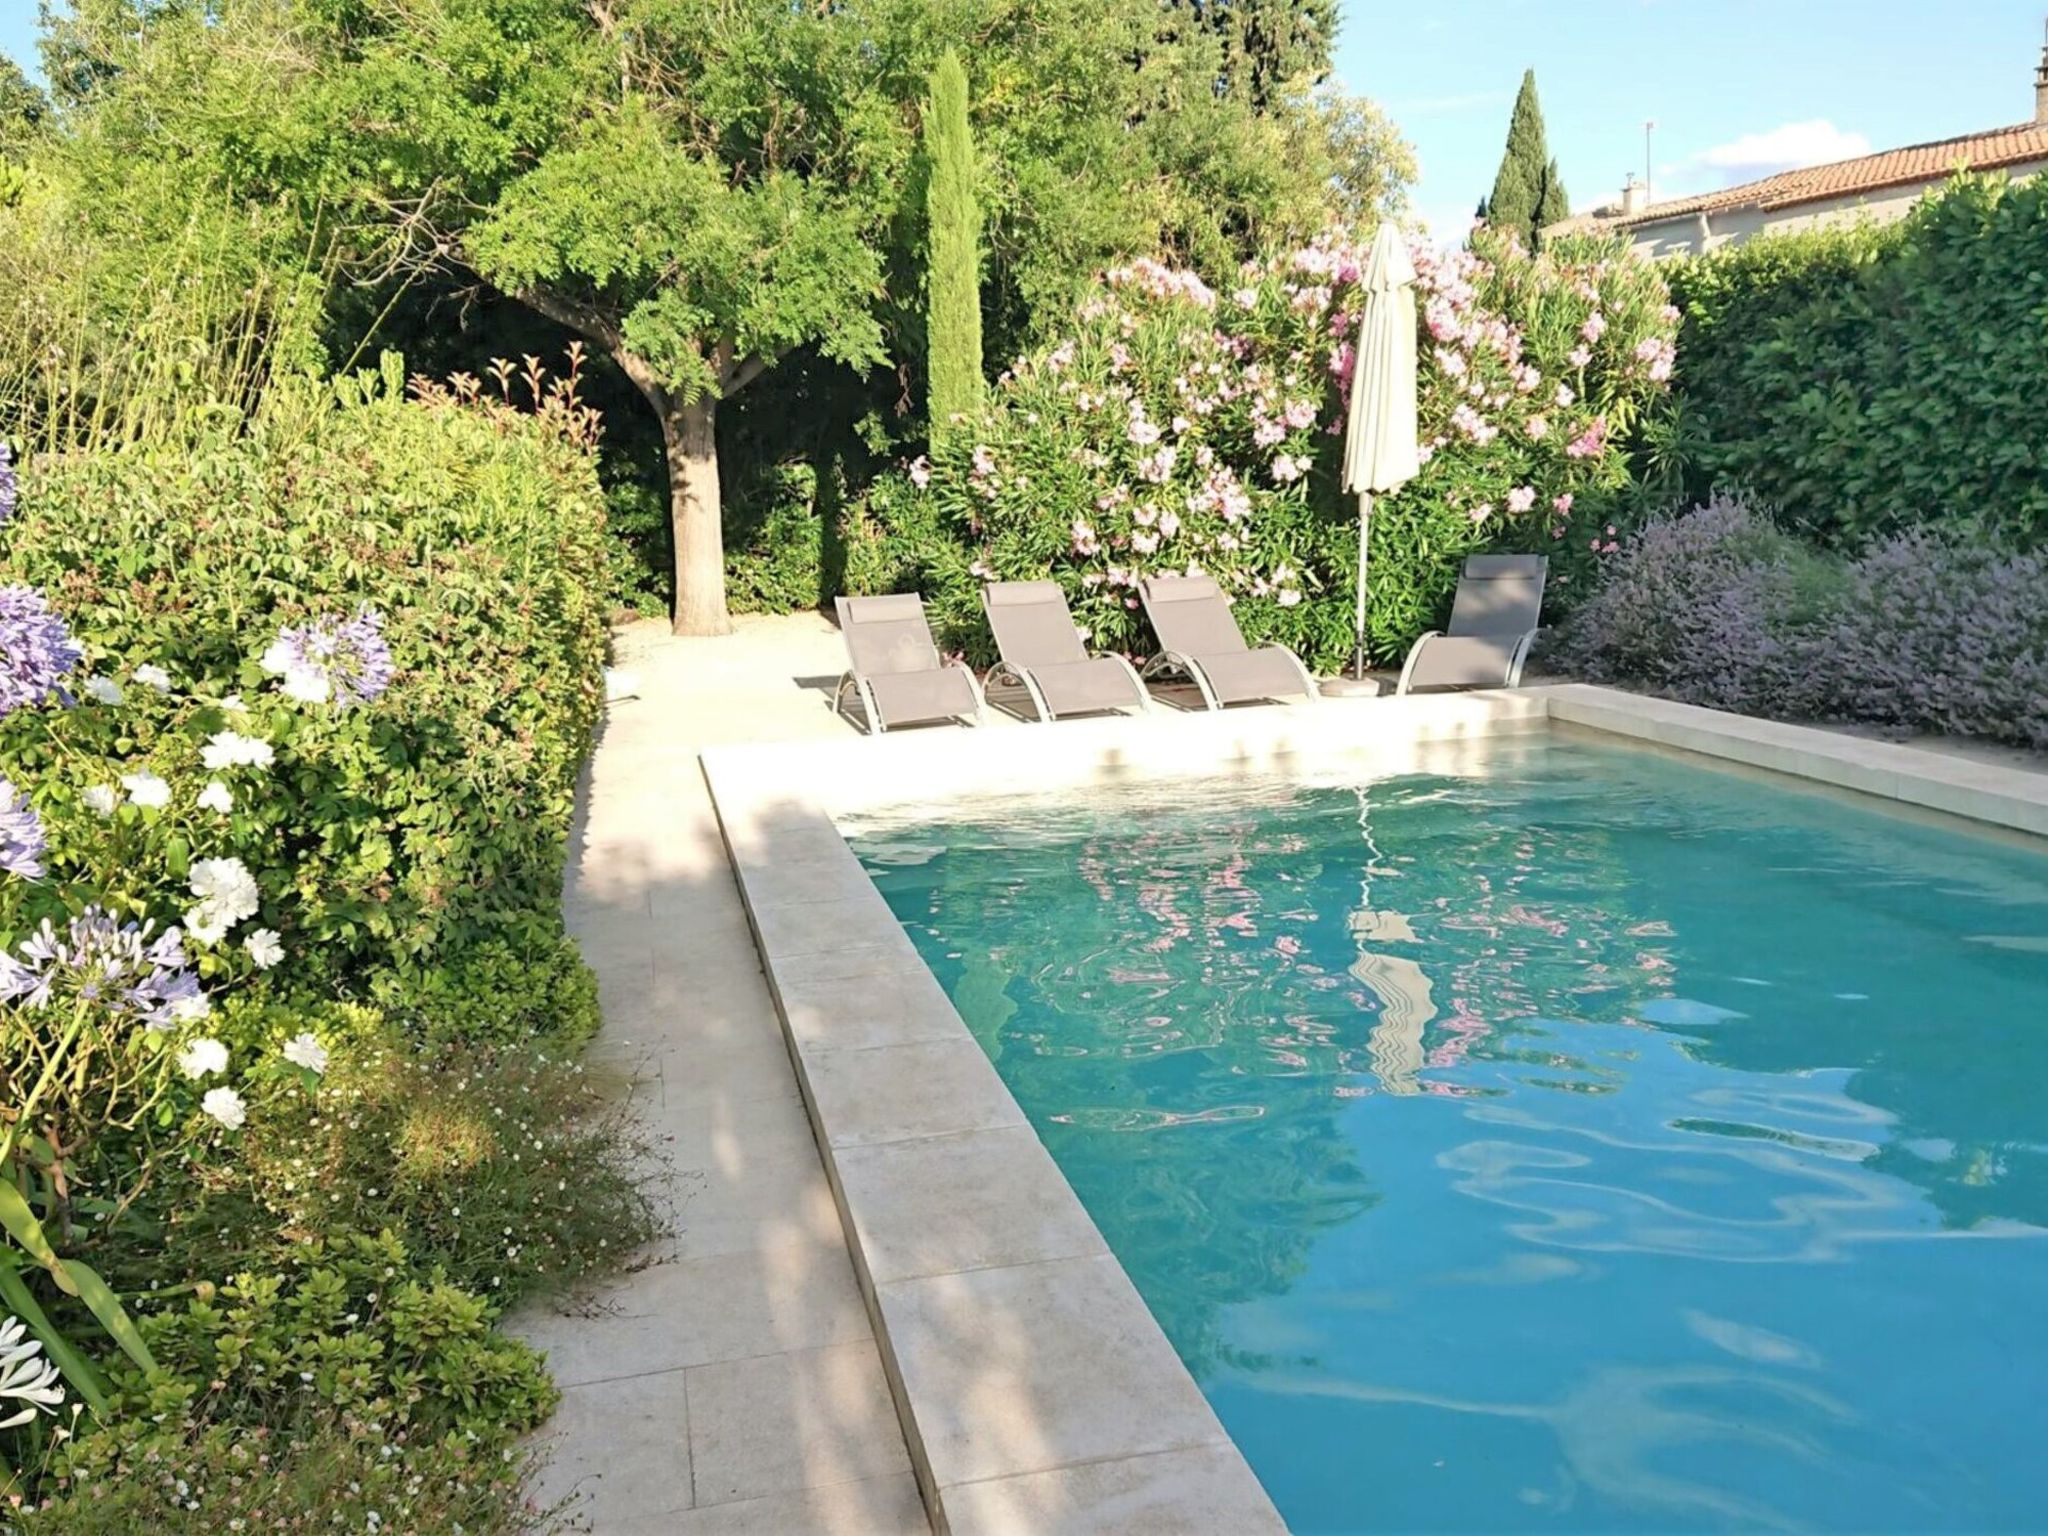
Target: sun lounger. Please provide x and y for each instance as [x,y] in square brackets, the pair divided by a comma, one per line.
[1493,621]
[895,667]
[1042,650]
[1198,636]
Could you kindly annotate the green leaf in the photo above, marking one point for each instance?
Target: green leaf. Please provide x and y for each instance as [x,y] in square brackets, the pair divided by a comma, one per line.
[22,1303]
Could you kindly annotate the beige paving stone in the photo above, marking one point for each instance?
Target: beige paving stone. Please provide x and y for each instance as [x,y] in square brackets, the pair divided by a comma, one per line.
[1204,1492]
[803,1419]
[878,1506]
[760,1204]
[979,1200]
[905,1006]
[894,1092]
[1039,1366]
[801,928]
[616,1450]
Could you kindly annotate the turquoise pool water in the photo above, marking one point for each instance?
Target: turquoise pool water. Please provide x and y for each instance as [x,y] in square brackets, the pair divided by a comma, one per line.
[1594,1141]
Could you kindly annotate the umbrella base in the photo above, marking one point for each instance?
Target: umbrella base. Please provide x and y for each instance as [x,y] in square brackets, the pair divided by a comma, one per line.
[1348,687]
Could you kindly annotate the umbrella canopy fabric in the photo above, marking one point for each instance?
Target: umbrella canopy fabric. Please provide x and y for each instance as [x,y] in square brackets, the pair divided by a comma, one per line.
[1380,451]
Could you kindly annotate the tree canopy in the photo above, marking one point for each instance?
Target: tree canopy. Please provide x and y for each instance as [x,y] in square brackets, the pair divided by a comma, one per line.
[1528,193]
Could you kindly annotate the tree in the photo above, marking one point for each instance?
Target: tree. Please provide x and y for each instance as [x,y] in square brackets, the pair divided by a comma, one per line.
[1268,46]
[23,110]
[1527,190]
[953,326]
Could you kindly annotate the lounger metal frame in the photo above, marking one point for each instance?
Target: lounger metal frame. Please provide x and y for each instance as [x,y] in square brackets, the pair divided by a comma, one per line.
[1515,660]
[877,726]
[1003,672]
[1175,661]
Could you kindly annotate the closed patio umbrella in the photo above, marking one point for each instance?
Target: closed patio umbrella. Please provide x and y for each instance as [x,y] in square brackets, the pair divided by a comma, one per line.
[1379,437]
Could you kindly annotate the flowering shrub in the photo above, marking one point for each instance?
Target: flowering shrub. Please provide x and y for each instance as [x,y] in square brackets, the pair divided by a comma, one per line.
[1719,607]
[1180,428]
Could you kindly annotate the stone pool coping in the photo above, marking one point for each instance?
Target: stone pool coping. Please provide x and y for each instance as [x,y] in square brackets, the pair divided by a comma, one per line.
[1035,1389]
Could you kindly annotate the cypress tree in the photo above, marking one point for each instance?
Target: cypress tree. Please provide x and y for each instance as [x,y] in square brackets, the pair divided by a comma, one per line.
[1527,191]
[953,270]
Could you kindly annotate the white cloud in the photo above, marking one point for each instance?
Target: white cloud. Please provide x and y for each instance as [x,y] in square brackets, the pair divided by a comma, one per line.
[1788,147]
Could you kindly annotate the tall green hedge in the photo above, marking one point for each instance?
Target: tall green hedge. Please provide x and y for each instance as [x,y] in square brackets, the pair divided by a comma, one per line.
[417,847]
[1865,380]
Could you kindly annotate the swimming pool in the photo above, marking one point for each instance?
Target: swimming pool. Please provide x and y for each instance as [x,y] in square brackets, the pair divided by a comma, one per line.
[1590,1140]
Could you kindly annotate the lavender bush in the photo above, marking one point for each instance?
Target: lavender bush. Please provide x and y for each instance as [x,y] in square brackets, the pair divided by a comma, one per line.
[1920,633]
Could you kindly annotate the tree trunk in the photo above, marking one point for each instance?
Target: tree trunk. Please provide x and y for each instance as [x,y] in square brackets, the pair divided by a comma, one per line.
[689,437]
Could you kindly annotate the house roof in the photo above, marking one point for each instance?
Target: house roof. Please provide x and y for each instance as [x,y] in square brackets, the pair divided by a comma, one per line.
[1990,150]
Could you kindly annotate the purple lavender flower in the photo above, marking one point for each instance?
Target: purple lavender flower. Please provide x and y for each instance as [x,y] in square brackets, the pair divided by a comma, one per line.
[36,651]
[7,491]
[115,965]
[346,660]
[21,835]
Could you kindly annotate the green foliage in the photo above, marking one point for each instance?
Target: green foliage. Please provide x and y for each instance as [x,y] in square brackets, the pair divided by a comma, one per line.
[1527,191]
[1267,45]
[1863,380]
[1177,428]
[24,111]
[953,325]
[412,852]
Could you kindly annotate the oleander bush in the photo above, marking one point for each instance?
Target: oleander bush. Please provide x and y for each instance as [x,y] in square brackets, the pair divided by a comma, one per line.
[1179,428]
[1868,380]
[1919,632]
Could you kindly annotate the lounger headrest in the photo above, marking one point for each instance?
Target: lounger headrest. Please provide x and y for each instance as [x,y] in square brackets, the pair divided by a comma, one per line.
[1013,594]
[1180,589]
[878,610]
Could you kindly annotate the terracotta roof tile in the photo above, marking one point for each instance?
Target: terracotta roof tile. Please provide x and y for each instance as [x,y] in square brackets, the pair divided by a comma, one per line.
[1987,151]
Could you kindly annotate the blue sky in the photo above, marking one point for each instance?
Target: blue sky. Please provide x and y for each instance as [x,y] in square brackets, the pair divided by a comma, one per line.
[1738,88]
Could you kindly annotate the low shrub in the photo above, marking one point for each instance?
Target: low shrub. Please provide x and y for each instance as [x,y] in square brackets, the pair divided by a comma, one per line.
[1177,428]
[1919,632]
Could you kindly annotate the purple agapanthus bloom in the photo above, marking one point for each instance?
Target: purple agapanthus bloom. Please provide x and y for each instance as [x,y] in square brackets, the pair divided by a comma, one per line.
[7,488]
[21,835]
[346,660]
[115,965]
[36,651]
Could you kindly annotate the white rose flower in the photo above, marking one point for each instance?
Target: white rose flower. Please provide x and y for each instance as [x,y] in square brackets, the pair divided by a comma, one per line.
[279,659]
[264,948]
[305,1050]
[226,749]
[101,799]
[206,925]
[215,797]
[146,789]
[227,893]
[233,704]
[203,1058]
[103,690]
[226,1106]
[190,1010]
[154,676]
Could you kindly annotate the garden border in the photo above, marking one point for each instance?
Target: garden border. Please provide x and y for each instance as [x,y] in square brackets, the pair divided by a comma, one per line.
[1014,1344]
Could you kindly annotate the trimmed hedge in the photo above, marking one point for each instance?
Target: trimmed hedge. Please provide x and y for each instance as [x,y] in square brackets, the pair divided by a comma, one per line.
[1867,380]
[413,852]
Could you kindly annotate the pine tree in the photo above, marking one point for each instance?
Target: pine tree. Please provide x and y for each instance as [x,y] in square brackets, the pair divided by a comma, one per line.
[953,260]
[1527,192]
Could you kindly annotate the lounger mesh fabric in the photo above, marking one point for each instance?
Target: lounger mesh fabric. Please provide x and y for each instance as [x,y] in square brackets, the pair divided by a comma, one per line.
[891,649]
[1192,619]
[1499,601]
[1035,632]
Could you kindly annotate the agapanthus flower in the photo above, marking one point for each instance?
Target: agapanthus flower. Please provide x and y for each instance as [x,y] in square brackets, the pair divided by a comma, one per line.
[36,651]
[22,844]
[349,660]
[25,1376]
[305,1050]
[114,965]
[226,1106]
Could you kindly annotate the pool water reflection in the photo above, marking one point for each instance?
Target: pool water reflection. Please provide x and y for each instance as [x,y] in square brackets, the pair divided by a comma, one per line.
[1593,1142]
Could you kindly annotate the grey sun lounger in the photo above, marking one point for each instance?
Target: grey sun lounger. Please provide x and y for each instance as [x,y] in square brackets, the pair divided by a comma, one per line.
[1493,621]
[895,667]
[1198,636]
[1041,649]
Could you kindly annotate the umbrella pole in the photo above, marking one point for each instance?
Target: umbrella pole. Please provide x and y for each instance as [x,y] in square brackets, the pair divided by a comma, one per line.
[1358,628]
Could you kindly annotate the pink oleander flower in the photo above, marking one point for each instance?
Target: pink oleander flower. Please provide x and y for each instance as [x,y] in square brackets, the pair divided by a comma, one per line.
[1141,431]
[1085,540]
[1538,428]
[1562,503]
[1481,513]
[984,460]
[1521,498]
[1564,396]
[1287,597]
[1578,357]
[1589,442]
[1595,326]
[1286,469]
[920,471]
